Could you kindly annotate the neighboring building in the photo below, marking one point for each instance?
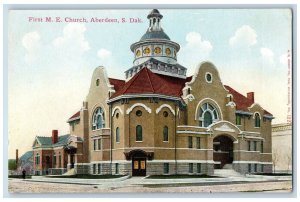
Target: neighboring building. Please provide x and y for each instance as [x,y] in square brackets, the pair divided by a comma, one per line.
[50,154]
[282,147]
[159,121]
[25,162]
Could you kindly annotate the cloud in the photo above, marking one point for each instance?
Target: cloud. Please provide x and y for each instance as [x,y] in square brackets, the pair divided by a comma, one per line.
[284,58]
[195,50]
[31,42]
[267,55]
[73,38]
[103,53]
[244,36]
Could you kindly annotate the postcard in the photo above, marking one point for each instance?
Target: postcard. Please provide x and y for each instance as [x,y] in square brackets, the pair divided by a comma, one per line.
[153,100]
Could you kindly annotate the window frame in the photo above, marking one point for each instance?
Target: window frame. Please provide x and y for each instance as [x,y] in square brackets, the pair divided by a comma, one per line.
[249,168]
[208,107]
[99,145]
[139,136]
[37,159]
[94,169]
[249,145]
[95,144]
[257,120]
[238,120]
[191,168]
[98,112]
[165,134]
[166,168]
[117,168]
[54,160]
[199,167]
[117,135]
[190,142]
[99,168]
[198,142]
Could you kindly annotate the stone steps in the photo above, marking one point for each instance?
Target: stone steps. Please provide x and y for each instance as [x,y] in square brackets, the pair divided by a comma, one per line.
[70,172]
[227,171]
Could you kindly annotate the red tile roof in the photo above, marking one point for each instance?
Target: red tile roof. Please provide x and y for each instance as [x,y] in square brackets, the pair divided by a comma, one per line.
[147,82]
[242,102]
[117,83]
[76,115]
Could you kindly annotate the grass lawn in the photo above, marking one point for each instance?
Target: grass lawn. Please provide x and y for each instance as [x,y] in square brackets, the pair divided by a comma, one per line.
[19,176]
[274,174]
[86,176]
[179,176]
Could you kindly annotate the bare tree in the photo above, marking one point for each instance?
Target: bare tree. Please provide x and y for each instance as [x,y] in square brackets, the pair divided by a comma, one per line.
[289,159]
[275,159]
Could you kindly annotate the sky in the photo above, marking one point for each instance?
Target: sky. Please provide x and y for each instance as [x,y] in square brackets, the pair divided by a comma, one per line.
[50,64]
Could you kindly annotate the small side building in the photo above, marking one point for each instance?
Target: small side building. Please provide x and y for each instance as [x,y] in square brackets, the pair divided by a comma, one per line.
[282,147]
[50,155]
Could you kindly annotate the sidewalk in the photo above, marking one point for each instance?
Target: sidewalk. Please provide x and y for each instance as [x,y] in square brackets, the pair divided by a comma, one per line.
[138,181]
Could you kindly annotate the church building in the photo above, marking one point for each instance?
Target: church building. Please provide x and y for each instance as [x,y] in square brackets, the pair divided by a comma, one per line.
[160,121]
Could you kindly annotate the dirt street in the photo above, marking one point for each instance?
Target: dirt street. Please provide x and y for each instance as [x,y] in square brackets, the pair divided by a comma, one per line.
[20,186]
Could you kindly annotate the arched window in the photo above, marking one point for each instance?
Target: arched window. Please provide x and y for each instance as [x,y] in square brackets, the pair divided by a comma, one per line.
[97,82]
[208,119]
[139,133]
[166,134]
[257,120]
[208,114]
[98,119]
[117,134]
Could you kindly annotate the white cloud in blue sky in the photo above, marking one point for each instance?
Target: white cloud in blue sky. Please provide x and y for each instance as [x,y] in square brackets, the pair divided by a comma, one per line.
[51,64]
[196,49]
[31,42]
[244,36]
[267,55]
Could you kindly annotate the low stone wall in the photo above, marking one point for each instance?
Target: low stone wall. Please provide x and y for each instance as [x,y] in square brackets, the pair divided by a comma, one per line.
[57,171]
[152,168]
[245,168]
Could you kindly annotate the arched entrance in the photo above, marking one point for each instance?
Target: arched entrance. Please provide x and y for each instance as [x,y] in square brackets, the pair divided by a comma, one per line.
[139,163]
[139,159]
[223,151]
[71,151]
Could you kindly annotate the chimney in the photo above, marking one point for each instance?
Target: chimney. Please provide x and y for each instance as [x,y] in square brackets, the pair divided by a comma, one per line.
[250,96]
[17,156]
[54,136]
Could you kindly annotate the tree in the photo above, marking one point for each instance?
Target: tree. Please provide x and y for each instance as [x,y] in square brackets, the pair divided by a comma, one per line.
[289,159]
[274,159]
[12,164]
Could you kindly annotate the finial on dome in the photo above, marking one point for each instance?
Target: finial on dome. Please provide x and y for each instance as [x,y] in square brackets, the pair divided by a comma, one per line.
[154,20]
[154,13]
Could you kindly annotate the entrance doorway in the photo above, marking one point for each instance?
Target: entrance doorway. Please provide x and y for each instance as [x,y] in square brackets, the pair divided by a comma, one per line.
[139,163]
[223,151]
[72,160]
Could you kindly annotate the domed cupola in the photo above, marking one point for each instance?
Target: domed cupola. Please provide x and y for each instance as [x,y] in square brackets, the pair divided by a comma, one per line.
[156,50]
[155,31]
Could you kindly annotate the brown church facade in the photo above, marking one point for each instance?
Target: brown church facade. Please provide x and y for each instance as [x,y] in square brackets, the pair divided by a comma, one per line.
[160,121]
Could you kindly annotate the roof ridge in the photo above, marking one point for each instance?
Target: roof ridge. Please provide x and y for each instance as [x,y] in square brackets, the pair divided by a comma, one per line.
[116,79]
[236,91]
[147,70]
[130,82]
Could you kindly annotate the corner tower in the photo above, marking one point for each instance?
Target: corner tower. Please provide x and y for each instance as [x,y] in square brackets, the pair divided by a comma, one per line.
[156,51]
